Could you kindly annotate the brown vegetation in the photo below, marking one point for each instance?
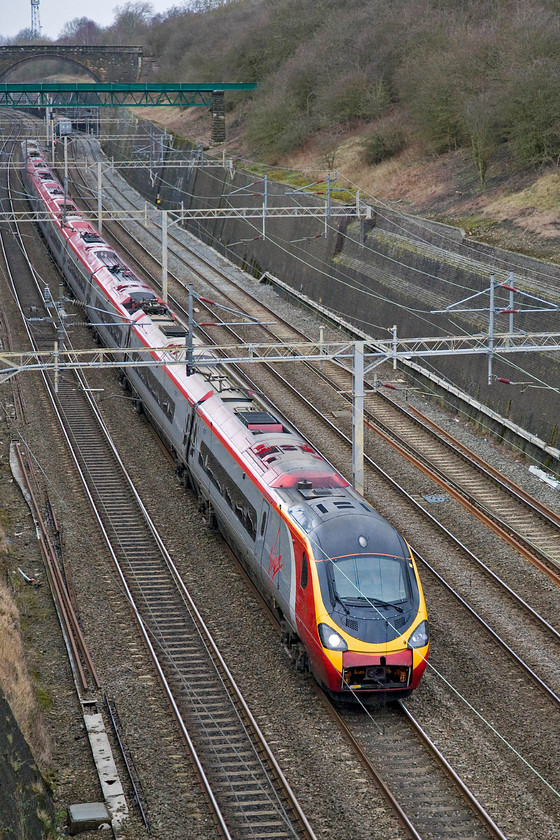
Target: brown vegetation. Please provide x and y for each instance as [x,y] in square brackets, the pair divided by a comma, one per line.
[448,74]
[15,680]
[445,105]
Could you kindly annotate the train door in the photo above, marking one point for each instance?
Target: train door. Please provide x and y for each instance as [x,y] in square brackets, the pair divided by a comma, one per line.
[277,558]
[261,532]
[304,600]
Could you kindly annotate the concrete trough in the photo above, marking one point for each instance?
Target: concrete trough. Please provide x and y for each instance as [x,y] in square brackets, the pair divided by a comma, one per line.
[88,816]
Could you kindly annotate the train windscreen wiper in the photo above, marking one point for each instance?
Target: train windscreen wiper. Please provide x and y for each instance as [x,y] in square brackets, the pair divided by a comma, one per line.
[377,602]
[336,597]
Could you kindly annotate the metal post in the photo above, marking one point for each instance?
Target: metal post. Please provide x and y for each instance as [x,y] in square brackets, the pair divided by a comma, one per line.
[265,206]
[358,419]
[190,341]
[65,157]
[328,213]
[56,366]
[321,343]
[511,302]
[491,330]
[52,142]
[394,332]
[64,202]
[145,214]
[99,197]
[164,255]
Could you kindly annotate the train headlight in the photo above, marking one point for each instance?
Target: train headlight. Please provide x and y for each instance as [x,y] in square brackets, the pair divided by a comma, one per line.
[331,639]
[419,637]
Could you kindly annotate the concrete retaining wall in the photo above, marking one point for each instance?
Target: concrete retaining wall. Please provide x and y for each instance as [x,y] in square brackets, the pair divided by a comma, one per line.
[25,806]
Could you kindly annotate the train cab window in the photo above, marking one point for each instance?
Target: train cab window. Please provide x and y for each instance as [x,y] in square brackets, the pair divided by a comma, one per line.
[304,570]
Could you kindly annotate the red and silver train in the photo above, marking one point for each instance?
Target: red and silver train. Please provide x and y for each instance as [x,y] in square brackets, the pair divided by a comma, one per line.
[343,580]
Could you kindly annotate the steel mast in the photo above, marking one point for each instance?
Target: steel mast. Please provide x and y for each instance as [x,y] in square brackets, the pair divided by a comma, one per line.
[35,21]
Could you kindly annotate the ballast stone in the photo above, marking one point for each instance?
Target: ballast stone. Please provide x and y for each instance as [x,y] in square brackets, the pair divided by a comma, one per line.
[87,816]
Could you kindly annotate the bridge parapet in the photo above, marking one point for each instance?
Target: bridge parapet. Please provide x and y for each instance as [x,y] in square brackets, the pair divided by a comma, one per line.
[104,64]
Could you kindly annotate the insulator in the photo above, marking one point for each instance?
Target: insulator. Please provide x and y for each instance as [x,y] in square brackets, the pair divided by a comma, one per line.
[509,288]
[388,385]
[504,380]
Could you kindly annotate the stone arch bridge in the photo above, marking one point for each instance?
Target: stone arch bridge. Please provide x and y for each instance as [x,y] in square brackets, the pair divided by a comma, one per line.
[103,64]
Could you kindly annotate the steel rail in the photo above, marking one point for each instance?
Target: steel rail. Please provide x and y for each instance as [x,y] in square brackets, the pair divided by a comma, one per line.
[517,491]
[507,533]
[137,791]
[369,766]
[519,661]
[59,592]
[337,713]
[19,402]
[147,633]
[481,812]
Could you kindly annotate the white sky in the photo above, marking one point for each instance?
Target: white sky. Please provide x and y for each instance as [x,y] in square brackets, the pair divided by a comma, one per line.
[15,16]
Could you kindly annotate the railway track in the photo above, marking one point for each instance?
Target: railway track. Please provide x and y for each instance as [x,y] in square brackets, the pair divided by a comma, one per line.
[10,256]
[415,773]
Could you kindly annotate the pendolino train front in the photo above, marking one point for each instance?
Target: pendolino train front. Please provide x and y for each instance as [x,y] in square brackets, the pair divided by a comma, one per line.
[342,580]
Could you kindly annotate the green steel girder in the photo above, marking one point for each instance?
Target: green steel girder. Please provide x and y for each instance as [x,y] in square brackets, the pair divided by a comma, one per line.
[111,95]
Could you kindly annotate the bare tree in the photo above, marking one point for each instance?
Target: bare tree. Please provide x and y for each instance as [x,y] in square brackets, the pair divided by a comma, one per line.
[131,22]
[82,31]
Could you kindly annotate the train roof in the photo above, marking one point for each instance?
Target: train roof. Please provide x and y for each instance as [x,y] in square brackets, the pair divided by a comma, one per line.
[290,462]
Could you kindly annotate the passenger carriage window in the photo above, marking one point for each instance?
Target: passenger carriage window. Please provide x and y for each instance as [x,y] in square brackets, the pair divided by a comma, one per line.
[226,486]
[263,523]
[304,570]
